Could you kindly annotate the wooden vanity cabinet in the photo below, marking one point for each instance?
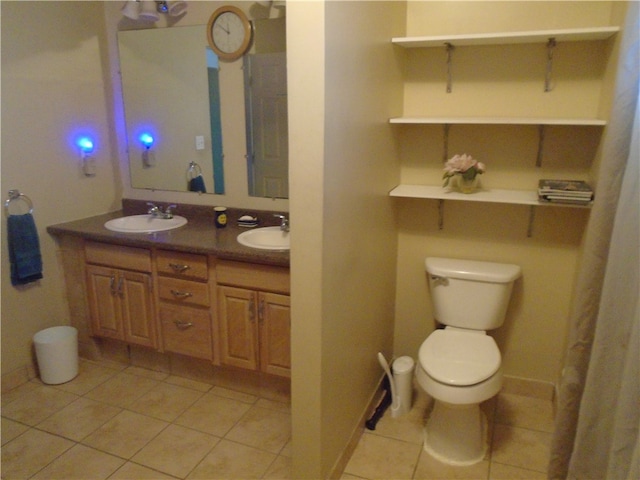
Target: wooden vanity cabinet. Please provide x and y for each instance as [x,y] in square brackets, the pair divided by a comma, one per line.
[254,317]
[120,293]
[184,303]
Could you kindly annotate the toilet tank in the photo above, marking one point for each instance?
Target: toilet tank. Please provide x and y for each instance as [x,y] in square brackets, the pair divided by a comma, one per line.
[470,294]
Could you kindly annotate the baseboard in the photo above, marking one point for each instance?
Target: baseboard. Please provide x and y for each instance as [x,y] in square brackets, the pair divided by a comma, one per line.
[528,387]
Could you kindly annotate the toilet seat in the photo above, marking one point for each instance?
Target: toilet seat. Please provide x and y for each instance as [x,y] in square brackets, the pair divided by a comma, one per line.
[459,357]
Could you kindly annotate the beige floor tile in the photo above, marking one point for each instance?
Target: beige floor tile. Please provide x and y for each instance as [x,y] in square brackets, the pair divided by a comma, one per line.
[145,372]
[408,427]
[133,471]
[525,412]
[188,383]
[265,429]
[280,469]
[430,468]
[30,452]
[37,404]
[122,390]
[165,402]
[176,450]
[81,463]
[213,414]
[520,447]
[10,395]
[234,395]
[11,430]
[79,418]
[378,457]
[274,405]
[231,460]
[508,472]
[125,434]
[89,377]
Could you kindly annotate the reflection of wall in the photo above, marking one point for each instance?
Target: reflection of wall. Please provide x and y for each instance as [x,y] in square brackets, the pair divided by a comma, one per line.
[164,81]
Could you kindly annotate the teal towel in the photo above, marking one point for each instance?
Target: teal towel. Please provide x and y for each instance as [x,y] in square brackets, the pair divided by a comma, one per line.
[24,249]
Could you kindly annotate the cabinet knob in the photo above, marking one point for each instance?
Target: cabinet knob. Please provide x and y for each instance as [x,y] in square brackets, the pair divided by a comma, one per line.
[178,267]
[183,325]
[178,294]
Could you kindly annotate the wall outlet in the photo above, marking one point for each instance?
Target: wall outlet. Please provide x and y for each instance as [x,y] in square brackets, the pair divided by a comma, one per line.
[199,142]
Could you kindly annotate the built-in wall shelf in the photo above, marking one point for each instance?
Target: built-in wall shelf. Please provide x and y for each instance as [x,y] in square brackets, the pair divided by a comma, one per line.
[594,122]
[503,38]
[517,197]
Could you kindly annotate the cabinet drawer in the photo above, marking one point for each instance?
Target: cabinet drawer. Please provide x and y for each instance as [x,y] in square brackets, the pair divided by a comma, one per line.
[129,258]
[183,291]
[186,330]
[183,265]
[250,275]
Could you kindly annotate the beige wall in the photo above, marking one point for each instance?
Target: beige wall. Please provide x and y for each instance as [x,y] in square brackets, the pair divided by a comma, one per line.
[344,85]
[533,336]
[52,89]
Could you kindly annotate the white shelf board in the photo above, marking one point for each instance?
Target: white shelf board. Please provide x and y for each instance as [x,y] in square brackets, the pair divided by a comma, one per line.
[502,38]
[594,122]
[517,197]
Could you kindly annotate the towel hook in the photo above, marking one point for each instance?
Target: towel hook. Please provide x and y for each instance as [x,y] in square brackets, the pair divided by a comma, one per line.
[16,195]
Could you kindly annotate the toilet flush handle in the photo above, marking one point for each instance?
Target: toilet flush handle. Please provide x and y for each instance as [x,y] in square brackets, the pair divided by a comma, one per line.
[439,280]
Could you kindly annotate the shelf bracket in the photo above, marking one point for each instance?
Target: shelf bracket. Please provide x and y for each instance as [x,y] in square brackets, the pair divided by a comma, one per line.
[445,138]
[532,216]
[541,134]
[551,44]
[450,48]
[440,214]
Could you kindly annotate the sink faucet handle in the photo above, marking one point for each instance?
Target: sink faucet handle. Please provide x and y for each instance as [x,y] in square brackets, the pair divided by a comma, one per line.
[169,210]
[154,208]
[284,221]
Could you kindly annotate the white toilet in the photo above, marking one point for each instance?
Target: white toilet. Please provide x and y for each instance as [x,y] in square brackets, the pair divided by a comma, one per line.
[459,366]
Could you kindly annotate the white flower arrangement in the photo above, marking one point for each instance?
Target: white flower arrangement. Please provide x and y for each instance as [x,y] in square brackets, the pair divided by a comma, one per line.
[464,165]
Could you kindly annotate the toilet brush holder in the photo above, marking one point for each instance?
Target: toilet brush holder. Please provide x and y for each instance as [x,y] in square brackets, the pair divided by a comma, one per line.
[402,368]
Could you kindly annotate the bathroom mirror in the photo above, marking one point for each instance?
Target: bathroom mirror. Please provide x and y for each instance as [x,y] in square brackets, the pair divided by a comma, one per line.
[173,87]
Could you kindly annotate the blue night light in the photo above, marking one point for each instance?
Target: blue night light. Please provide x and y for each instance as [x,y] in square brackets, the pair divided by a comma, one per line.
[147,140]
[85,144]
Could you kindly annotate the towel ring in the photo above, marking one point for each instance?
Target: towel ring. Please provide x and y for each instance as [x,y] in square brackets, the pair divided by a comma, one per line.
[193,171]
[16,195]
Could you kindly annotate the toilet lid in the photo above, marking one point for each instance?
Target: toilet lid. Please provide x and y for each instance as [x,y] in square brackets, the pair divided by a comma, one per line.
[460,358]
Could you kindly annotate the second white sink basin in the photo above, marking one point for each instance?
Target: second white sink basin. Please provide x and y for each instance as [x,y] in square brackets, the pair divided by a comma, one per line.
[144,224]
[265,238]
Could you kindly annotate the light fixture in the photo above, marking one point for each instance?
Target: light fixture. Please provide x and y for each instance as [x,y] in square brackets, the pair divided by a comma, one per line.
[148,10]
[148,158]
[86,155]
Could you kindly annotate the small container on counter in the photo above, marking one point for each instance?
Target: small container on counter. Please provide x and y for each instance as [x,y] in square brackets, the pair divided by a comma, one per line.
[220,216]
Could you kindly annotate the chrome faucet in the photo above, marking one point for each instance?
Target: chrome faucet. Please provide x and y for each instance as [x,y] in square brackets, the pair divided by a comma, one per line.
[157,212]
[284,222]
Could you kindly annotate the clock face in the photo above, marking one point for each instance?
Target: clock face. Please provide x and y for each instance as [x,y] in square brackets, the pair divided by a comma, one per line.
[229,33]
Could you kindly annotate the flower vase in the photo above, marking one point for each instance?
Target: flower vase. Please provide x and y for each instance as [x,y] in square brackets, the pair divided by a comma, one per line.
[467,185]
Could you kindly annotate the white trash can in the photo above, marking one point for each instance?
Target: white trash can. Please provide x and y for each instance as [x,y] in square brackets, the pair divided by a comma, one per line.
[402,368]
[57,354]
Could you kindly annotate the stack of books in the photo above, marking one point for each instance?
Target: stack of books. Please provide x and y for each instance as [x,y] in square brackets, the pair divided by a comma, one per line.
[565,191]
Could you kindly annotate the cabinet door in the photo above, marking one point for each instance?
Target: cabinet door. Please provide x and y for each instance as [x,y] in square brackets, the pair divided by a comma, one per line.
[237,318]
[275,334]
[104,302]
[137,308]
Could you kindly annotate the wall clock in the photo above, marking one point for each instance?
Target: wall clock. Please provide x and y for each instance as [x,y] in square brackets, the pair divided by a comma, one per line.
[229,32]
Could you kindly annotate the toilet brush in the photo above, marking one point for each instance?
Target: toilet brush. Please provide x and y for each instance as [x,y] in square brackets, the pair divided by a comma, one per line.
[395,401]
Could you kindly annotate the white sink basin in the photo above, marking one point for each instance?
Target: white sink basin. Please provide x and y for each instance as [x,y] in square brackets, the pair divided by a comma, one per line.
[144,224]
[265,238]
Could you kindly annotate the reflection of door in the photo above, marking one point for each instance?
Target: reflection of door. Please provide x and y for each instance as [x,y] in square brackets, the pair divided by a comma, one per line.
[267,130]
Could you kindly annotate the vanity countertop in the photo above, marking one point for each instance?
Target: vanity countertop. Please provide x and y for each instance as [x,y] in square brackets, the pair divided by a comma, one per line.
[198,236]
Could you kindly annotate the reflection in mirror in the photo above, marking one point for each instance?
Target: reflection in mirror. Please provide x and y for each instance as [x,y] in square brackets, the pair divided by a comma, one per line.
[167,76]
[173,86]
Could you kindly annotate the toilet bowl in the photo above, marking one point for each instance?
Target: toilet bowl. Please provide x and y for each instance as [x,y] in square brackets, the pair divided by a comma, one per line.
[459,366]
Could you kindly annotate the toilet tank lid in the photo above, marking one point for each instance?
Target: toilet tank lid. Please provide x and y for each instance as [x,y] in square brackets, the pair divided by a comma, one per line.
[472,270]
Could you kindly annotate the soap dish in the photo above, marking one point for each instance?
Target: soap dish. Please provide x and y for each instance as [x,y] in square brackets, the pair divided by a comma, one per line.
[247,221]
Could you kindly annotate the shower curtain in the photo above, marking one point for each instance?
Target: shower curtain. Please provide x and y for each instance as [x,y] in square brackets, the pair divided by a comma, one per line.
[596,433]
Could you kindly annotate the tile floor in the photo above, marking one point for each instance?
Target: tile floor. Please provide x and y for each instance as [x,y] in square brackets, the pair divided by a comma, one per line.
[132,423]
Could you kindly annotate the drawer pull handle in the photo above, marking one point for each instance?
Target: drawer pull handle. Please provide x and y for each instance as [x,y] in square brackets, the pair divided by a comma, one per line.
[183,325]
[178,294]
[179,268]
